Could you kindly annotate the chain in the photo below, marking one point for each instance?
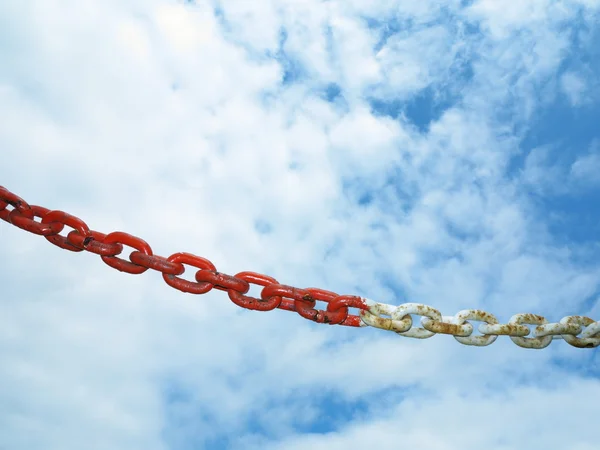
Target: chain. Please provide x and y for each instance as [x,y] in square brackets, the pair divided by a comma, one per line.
[578,331]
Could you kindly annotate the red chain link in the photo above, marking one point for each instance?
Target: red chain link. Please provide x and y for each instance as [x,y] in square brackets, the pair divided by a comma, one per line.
[109,246]
[62,218]
[193,287]
[265,303]
[24,222]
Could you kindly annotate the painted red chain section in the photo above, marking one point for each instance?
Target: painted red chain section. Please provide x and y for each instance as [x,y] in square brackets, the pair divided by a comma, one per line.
[110,246]
[62,218]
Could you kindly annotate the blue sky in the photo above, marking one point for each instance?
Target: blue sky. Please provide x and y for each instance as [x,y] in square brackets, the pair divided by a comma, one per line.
[445,154]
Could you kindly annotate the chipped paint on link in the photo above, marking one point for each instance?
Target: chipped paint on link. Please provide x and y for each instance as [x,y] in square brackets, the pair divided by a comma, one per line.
[556,330]
[592,330]
[530,319]
[481,316]
[589,339]
[420,310]
[372,317]
[447,326]
[504,329]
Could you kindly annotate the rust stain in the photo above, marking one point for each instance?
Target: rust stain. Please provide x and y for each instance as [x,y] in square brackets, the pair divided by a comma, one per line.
[436,326]
[531,319]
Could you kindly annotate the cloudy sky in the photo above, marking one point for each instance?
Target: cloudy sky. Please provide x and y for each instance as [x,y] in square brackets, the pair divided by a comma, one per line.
[398,150]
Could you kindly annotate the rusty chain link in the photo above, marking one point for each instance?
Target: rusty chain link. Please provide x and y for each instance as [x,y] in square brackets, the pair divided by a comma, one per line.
[578,331]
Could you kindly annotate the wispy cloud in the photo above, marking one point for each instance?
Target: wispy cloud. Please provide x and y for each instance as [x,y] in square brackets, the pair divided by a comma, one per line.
[586,168]
[404,151]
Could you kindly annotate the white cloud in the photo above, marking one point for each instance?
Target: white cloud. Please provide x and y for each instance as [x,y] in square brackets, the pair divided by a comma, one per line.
[438,422]
[542,173]
[586,169]
[163,120]
[574,87]
[404,59]
[504,17]
[187,31]
[545,173]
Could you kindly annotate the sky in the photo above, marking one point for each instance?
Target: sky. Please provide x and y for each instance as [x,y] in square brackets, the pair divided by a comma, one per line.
[444,153]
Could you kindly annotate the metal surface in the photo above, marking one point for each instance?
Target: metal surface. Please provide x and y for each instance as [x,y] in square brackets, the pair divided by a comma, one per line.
[578,331]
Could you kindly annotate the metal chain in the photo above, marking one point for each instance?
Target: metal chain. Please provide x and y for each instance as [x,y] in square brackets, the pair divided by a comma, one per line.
[578,331]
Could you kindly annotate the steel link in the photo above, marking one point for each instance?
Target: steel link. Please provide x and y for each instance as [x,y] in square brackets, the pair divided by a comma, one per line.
[372,317]
[592,330]
[557,330]
[590,336]
[306,307]
[8,198]
[259,304]
[29,224]
[158,263]
[419,310]
[530,319]
[337,307]
[274,294]
[344,302]
[578,331]
[504,329]
[447,326]
[222,281]
[481,316]
[62,218]
[118,237]
[94,243]
[191,287]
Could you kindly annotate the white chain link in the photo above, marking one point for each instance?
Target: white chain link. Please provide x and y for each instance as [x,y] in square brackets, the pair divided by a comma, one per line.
[578,331]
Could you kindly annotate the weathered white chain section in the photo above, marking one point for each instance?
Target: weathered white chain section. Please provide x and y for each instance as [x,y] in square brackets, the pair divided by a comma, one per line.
[579,331]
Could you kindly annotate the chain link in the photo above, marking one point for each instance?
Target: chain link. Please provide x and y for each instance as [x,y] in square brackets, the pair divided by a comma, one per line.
[578,331]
